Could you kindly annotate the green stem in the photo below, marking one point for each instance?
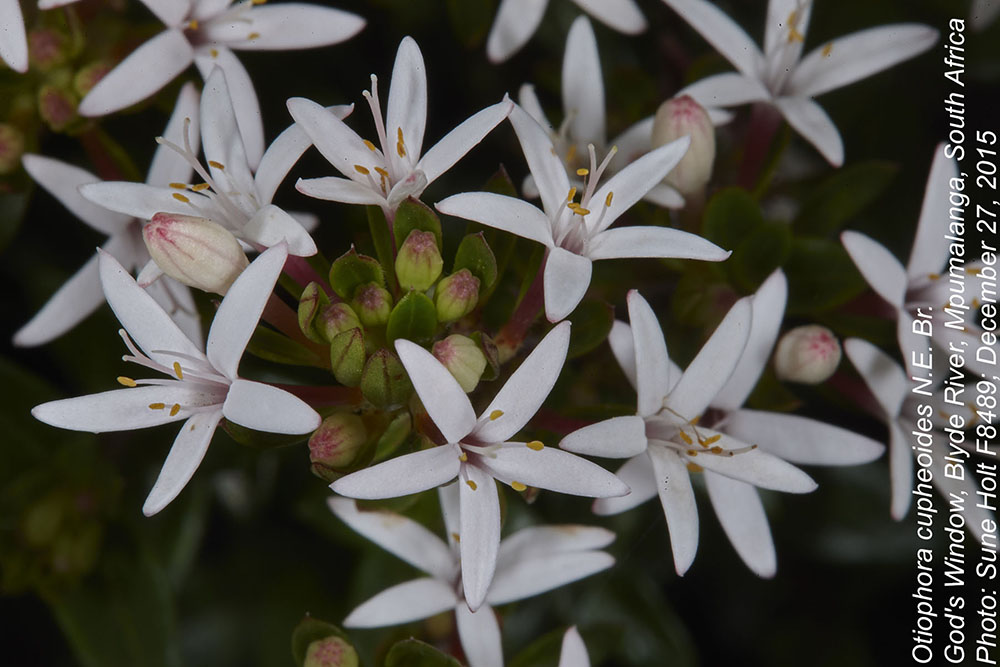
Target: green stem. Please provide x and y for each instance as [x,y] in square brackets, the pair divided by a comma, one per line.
[378,225]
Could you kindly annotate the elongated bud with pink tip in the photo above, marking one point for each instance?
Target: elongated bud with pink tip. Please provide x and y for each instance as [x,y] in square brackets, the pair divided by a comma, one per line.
[463,359]
[419,262]
[683,117]
[194,251]
[807,354]
[456,295]
[336,445]
[330,652]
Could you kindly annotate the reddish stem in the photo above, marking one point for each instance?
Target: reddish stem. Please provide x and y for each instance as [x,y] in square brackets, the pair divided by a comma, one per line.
[104,164]
[319,397]
[284,319]
[764,123]
[301,272]
[512,334]
[557,423]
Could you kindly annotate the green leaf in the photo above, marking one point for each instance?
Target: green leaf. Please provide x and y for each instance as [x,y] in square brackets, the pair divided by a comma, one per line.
[309,630]
[842,196]
[395,434]
[414,318]
[261,440]
[474,254]
[470,19]
[351,270]
[13,206]
[759,253]
[414,214]
[415,653]
[821,275]
[501,184]
[273,346]
[730,216]
[592,322]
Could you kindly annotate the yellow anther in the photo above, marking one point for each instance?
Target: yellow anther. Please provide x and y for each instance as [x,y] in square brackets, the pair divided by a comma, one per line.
[200,187]
[827,50]
[472,485]
[716,450]
[607,200]
[582,171]
[463,457]
[495,415]
[579,210]
[128,382]
[456,537]
[369,144]
[179,186]
[974,271]
[694,467]
[400,149]
[217,165]
[536,445]
[177,370]
[257,2]
[179,197]
[794,35]
[174,410]
[399,134]
[709,441]
[571,195]
[361,170]
[933,276]
[517,486]
[193,24]
[692,452]
[570,154]
[686,438]
[214,53]
[694,421]
[381,172]
[156,406]
[253,35]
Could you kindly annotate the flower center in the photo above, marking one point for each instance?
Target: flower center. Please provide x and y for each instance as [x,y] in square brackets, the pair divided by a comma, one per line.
[573,230]
[689,437]
[784,55]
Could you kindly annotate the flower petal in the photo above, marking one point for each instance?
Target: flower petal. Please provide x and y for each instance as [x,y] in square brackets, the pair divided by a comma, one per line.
[573,652]
[802,440]
[544,541]
[618,437]
[779,14]
[178,303]
[721,32]
[652,363]
[526,389]
[150,327]
[146,70]
[339,144]
[528,100]
[879,267]
[271,225]
[743,519]
[623,349]
[714,364]
[480,636]
[184,458]
[632,183]
[168,166]
[443,398]
[118,409]
[664,196]
[900,472]
[546,168]
[858,55]
[726,90]
[402,475]
[399,535]
[815,126]
[515,23]
[13,39]
[334,188]
[929,254]
[673,484]
[63,182]
[241,90]
[285,26]
[406,110]
[552,469]
[500,212]
[171,12]
[768,311]
[403,603]
[137,200]
[454,145]
[582,87]
[633,143]
[565,281]
[753,466]
[623,242]
[531,576]
[480,533]
[265,408]
[880,372]
[221,138]
[622,15]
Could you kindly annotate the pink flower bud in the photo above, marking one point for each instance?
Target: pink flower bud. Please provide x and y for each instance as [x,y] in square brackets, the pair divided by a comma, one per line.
[48,48]
[463,359]
[337,444]
[456,295]
[194,251]
[11,148]
[807,354]
[419,262]
[683,117]
[57,107]
[330,652]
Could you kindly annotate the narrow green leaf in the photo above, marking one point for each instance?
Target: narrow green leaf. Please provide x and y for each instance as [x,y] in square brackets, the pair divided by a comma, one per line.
[414,214]
[352,270]
[273,346]
[821,275]
[474,254]
[843,196]
[592,322]
[414,318]
[415,653]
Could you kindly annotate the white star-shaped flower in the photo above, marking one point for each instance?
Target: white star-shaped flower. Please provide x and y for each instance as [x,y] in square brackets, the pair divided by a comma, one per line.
[81,294]
[233,194]
[583,118]
[695,421]
[529,562]
[387,173]
[782,77]
[901,411]
[576,233]
[517,20]
[201,388]
[477,451]
[13,39]
[203,32]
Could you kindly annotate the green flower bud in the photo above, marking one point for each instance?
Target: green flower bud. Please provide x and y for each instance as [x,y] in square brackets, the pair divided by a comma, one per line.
[337,444]
[330,652]
[807,354]
[57,107]
[372,304]
[680,117]
[42,521]
[48,48]
[419,262]
[456,295]
[311,302]
[194,251]
[347,357]
[88,76]
[11,148]
[335,319]
[463,359]
[384,381]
